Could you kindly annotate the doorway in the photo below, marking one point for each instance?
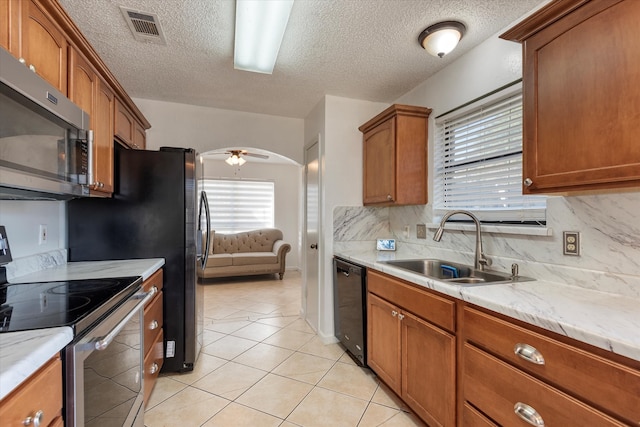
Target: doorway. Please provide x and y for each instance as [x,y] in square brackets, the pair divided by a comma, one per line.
[312,223]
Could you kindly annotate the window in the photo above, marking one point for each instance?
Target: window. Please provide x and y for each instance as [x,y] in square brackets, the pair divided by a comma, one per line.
[239,205]
[478,161]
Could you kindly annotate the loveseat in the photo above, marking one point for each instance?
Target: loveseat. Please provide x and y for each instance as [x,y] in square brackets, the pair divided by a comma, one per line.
[259,251]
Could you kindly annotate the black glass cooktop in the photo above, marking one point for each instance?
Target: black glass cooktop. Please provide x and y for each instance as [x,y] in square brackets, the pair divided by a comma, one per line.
[74,303]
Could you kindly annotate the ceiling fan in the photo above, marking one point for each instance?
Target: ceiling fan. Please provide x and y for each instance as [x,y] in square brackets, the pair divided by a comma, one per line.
[235,157]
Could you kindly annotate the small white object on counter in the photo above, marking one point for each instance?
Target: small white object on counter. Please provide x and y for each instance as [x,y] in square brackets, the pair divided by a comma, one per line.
[23,353]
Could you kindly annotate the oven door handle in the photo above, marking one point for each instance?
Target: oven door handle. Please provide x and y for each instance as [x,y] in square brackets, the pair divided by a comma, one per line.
[104,342]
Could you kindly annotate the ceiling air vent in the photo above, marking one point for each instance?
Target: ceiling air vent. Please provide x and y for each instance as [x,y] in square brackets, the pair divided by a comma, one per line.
[144,26]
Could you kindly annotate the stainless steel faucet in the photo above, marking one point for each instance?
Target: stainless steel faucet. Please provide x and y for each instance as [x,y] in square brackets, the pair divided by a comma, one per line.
[480,260]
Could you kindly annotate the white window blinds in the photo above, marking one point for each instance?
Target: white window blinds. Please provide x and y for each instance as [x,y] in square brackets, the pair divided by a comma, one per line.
[478,161]
[239,205]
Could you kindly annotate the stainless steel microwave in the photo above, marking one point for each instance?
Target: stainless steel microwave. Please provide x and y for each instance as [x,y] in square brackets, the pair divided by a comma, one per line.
[45,144]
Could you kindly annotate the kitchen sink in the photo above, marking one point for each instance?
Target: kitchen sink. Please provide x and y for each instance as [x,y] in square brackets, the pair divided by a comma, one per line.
[454,273]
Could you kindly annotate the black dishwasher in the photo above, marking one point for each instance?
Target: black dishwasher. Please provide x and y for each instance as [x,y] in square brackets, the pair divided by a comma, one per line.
[350,308]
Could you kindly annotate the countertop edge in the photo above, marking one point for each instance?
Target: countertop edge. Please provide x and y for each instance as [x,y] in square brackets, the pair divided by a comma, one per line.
[36,348]
[604,320]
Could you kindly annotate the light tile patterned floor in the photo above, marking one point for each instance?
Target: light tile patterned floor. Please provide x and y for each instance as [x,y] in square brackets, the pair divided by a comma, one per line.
[263,366]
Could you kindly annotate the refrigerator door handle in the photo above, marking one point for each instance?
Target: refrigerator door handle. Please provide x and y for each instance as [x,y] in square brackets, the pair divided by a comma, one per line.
[204,257]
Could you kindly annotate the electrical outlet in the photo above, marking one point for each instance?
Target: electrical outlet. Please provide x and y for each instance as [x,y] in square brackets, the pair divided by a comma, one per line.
[43,235]
[421,231]
[571,243]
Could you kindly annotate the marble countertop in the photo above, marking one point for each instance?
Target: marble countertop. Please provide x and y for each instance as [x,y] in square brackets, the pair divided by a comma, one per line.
[604,320]
[94,270]
[22,353]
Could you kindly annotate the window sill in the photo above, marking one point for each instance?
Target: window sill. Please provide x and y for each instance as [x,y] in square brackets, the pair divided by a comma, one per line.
[522,230]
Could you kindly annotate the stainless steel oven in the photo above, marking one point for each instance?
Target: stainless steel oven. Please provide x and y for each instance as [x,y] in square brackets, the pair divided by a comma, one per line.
[104,370]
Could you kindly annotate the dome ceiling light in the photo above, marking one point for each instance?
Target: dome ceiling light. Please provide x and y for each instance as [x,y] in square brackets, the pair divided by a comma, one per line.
[441,38]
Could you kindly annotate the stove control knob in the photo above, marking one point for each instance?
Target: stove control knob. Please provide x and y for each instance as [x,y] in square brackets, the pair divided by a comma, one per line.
[35,420]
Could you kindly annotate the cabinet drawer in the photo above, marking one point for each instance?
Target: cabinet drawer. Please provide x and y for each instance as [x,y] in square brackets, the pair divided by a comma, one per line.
[156,279]
[605,384]
[496,387]
[40,392]
[152,365]
[427,305]
[471,417]
[152,321]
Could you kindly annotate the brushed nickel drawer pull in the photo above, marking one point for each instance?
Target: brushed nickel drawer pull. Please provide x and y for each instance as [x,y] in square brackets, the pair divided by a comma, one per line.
[35,420]
[154,368]
[153,325]
[400,316]
[528,353]
[394,313]
[528,414]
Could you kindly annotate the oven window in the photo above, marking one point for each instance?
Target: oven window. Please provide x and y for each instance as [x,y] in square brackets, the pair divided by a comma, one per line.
[112,378]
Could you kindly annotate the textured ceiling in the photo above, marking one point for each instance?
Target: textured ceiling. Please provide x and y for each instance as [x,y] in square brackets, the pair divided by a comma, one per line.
[363,49]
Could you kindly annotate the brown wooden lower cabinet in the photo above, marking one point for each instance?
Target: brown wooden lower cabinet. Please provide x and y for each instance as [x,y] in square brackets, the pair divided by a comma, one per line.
[40,393]
[454,363]
[510,397]
[153,333]
[414,357]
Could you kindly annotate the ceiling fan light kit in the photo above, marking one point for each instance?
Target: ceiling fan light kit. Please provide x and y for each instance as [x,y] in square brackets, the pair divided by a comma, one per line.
[441,38]
[236,157]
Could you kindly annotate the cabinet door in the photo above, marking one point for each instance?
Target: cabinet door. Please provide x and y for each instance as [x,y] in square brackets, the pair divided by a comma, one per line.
[44,46]
[139,137]
[10,26]
[94,96]
[41,392]
[428,370]
[379,154]
[383,341]
[124,124]
[103,139]
[580,114]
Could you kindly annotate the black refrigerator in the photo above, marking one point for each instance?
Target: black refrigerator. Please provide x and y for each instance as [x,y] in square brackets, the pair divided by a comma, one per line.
[155,212]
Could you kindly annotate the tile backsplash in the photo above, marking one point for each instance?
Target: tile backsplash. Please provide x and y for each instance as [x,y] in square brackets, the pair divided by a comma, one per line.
[610,240]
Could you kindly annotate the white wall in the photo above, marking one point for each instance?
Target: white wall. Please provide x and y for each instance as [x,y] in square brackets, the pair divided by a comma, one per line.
[610,253]
[336,120]
[288,192]
[22,220]
[206,129]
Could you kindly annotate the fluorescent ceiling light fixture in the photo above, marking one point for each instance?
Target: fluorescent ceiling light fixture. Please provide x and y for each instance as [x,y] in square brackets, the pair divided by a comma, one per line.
[260,26]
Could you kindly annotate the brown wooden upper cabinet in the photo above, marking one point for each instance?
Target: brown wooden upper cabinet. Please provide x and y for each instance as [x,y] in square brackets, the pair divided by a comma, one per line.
[127,129]
[87,89]
[581,108]
[32,36]
[395,157]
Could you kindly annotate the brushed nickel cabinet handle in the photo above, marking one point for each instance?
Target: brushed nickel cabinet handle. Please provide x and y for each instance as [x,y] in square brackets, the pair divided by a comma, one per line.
[153,325]
[528,414]
[394,313]
[35,420]
[154,368]
[528,353]
[528,182]
[389,197]
[400,316]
